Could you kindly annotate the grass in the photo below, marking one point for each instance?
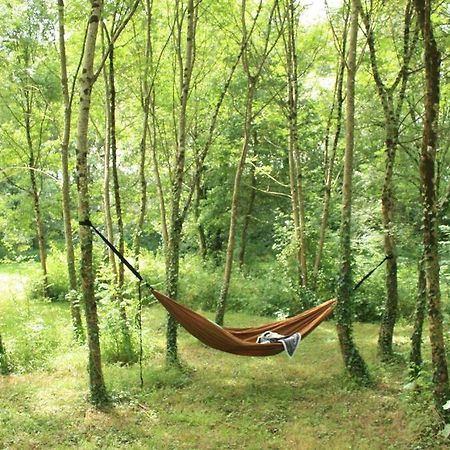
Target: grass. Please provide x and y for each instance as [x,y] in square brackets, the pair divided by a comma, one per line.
[219,401]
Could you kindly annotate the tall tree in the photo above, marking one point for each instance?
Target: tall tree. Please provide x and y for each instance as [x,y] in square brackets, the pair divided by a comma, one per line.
[295,173]
[392,98]
[427,169]
[252,74]
[87,78]
[415,355]
[176,212]
[353,361]
[66,207]
[330,154]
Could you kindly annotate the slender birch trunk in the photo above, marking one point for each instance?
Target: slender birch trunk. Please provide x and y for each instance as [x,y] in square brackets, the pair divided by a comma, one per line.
[391,113]
[353,361]
[147,98]
[35,195]
[126,353]
[96,381]
[415,355]
[248,215]
[295,174]
[252,79]
[427,168]
[176,217]
[221,305]
[70,254]
[107,173]
[330,157]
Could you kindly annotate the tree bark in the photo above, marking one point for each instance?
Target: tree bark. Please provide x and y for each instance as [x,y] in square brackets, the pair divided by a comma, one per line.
[415,355]
[176,217]
[295,174]
[330,158]
[70,254]
[147,100]
[98,393]
[127,348]
[353,361]
[391,125]
[432,61]
[248,216]
[252,79]
[221,305]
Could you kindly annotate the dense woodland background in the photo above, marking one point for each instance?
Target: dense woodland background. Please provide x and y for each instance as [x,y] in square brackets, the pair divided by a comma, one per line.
[246,159]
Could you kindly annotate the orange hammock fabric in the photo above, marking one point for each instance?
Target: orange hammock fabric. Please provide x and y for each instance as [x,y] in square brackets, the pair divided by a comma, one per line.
[242,341]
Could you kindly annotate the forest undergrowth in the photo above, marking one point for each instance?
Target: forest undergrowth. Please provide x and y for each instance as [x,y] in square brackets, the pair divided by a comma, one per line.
[215,401]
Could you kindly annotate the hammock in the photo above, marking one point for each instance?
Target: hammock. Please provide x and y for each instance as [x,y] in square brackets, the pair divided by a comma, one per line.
[239,341]
[242,341]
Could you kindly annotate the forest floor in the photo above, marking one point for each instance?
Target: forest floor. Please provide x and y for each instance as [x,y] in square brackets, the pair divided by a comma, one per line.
[219,401]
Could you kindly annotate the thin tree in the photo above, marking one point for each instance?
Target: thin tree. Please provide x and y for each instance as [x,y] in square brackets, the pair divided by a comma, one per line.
[295,173]
[427,169]
[415,354]
[97,386]
[252,80]
[392,98]
[126,353]
[176,213]
[353,362]
[330,154]
[66,207]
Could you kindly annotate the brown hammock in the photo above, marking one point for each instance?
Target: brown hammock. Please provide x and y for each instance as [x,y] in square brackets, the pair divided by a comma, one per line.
[242,341]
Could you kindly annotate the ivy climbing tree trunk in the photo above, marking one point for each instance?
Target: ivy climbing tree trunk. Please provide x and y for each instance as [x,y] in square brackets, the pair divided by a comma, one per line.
[353,361]
[70,253]
[427,168]
[96,382]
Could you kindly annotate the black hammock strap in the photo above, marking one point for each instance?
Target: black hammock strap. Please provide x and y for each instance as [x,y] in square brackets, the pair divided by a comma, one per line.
[88,223]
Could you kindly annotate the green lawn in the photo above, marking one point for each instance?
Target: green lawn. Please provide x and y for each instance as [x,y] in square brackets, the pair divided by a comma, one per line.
[220,401]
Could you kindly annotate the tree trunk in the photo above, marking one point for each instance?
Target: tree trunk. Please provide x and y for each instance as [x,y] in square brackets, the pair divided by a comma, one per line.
[40,235]
[96,381]
[127,348]
[353,361]
[248,216]
[295,176]
[176,219]
[432,61]
[200,228]
[330,158]
[391,125]
[70,254]
[415,355]
[221,305]
[252,80]
[386,334]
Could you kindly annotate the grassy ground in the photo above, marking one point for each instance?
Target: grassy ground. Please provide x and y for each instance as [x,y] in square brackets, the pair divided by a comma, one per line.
[220,401]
